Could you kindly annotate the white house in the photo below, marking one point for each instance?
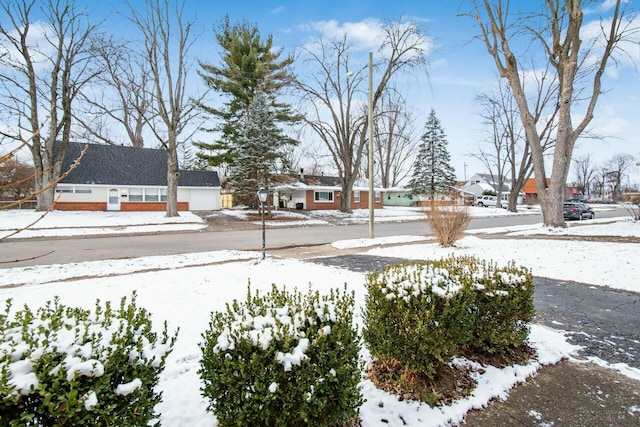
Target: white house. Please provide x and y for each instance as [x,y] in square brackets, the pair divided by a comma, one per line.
[481,183]
[119,178]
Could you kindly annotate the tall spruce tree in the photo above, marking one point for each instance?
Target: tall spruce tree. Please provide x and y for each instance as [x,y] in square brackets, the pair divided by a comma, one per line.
[432,170]
[250,65]
[260,147]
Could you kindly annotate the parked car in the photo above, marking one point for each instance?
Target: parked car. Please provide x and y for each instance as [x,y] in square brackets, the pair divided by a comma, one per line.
[486,201]
[578,211]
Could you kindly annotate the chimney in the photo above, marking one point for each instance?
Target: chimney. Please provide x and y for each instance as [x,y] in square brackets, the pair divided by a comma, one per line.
[301,175]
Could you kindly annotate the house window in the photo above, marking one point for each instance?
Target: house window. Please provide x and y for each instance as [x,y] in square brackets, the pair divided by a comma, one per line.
[147,194]
[64,189]
[72,189]
[323,196]
[378,196]
[136,195]
[356,196]
[151,195]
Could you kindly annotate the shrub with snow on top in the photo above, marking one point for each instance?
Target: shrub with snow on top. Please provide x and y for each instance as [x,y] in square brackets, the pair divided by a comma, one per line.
[283,359]
[68,366]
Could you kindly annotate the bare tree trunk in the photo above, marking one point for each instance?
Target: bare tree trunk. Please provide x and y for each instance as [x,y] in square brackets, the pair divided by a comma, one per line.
[560,42]
[172,182]
[49,72]
[167,39]
[345,198]
[331,79]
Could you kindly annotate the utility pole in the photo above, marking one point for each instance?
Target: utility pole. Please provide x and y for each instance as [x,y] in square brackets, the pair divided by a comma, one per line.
[370,121]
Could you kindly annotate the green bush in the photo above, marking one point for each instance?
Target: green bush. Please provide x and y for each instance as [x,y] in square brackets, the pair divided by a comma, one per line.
[68,366]
[418,313]
[504,307]
[283,359]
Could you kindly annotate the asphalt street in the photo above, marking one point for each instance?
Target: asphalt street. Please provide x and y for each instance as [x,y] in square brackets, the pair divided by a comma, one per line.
[604,321]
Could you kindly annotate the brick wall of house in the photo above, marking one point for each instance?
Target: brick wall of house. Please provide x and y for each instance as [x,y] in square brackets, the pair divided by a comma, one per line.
[150,206]
[311,204]
[81,206]
[124,206]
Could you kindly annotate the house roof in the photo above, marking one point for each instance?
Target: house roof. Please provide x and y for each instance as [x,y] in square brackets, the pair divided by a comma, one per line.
[491,181]
[315,182]
[321,180]
[120,165]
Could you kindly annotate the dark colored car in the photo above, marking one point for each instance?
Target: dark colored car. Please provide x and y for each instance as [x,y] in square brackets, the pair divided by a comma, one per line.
[578,211]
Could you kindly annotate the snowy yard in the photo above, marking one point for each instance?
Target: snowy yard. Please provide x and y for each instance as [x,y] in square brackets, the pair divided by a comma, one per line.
[186,288]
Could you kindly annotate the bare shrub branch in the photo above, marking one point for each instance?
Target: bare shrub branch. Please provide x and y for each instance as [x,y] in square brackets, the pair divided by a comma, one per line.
[448,223]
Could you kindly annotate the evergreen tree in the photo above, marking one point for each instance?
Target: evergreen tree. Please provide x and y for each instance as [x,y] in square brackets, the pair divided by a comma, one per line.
[260,148]
[432,170]
[250,65]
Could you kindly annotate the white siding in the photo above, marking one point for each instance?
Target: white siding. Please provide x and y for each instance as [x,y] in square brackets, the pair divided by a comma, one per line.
[204,199]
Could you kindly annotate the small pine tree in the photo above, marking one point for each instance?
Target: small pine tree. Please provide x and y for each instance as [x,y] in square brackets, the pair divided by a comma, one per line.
[432,170]
[186,157]
[260,147]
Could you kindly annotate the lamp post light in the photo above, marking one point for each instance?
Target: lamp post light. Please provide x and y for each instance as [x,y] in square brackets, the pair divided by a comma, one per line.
[262,195]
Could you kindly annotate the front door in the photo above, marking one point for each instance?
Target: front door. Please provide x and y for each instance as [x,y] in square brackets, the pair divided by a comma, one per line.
[113,202]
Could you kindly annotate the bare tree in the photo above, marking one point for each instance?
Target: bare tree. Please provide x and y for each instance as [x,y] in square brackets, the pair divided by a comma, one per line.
[394,139]
[331,88]
[167,39]
[503,136]
[579,67]
[22,181]
[44,69]
[124,95]
[585,173]
[601,178]
[617,168]
[509,155]
[16,179]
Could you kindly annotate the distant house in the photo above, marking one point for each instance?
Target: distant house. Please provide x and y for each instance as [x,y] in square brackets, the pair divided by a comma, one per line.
[320,192]
[402,196]
[398,196]
[482,183]
[118,178]
[531,191]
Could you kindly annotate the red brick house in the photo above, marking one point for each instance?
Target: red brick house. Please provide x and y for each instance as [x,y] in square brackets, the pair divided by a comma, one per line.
[320,192]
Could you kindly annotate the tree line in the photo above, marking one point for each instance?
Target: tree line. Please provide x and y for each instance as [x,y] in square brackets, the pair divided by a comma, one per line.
[63,76]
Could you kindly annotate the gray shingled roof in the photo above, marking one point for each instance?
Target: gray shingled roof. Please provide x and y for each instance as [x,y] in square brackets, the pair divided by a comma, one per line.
[327,181]
[120,165]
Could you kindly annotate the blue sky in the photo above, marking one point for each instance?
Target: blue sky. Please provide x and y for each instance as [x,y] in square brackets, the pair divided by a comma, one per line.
[460,68]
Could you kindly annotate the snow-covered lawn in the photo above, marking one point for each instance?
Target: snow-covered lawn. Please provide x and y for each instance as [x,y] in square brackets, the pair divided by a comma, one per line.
[79,223]
[185,289]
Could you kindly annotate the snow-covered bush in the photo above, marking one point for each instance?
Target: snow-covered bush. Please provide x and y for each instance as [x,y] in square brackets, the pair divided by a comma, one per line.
[504,306]
[283,359]
[418,313]
[68,366]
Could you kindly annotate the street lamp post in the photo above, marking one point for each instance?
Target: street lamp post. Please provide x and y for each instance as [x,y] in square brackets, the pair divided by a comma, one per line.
[262,195]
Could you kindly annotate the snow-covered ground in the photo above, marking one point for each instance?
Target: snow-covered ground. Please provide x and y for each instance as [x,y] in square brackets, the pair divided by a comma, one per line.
[185,289]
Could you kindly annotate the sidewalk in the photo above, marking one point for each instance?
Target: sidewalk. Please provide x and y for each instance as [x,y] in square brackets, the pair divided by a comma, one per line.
[567,394]
[570,393]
